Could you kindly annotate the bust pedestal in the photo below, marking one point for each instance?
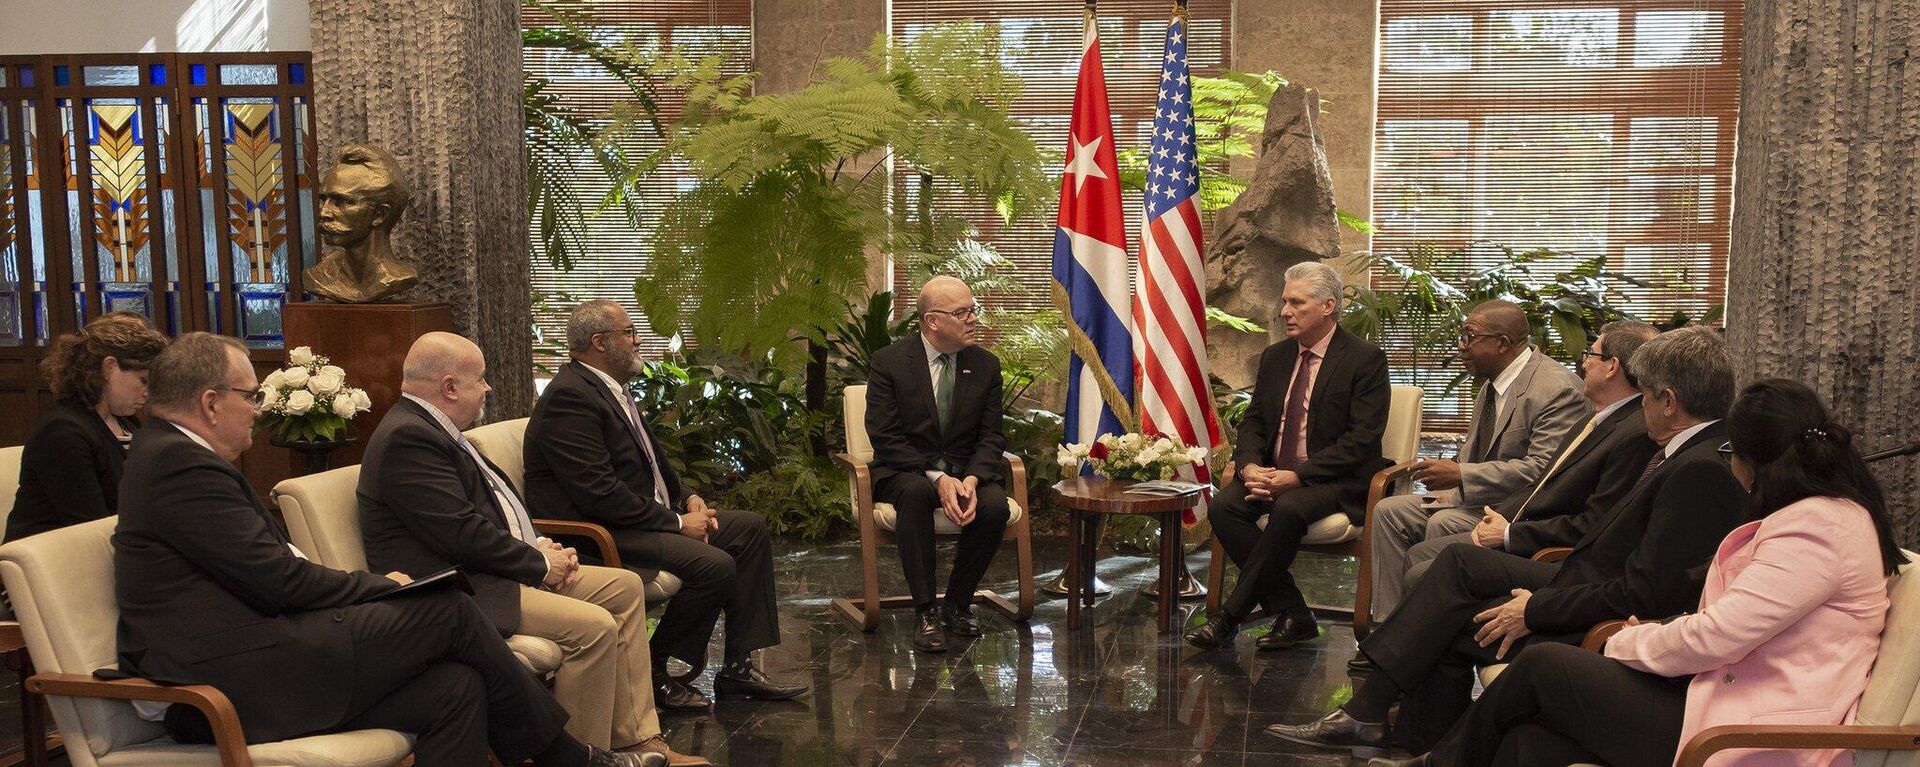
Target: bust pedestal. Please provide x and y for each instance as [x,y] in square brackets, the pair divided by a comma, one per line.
[370,341]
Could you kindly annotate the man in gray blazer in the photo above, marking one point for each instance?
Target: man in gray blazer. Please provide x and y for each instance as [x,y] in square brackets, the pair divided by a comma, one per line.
[1526,405]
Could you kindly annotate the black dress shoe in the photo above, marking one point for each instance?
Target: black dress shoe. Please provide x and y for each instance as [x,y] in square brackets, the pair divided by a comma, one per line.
[1336,731]
[669,695]
[744,679]
[1216,633]
[929,637]
[959,620]
[1423,760]
[600,757]
[1289,631]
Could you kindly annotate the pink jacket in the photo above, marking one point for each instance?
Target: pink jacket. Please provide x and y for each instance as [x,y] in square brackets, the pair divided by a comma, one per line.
[1788,627]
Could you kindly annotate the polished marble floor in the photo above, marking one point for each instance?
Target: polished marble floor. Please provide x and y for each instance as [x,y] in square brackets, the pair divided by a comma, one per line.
[1114,692]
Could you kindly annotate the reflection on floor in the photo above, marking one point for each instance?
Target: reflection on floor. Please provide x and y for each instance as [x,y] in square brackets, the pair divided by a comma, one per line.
[1114,692]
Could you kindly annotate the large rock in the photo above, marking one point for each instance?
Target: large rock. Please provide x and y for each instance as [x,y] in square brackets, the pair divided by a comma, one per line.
[1286,216]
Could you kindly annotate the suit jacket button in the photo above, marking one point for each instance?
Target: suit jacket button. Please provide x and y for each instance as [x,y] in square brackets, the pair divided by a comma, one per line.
[339,616]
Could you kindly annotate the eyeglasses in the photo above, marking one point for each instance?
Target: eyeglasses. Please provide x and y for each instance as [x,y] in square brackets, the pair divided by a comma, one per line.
[1600,355]
[630,331]
[252,397]
[1726,453]
[1467,339]
[965,314]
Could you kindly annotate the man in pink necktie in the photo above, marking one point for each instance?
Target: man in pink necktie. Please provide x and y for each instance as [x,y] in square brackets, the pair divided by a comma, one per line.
[1306,450]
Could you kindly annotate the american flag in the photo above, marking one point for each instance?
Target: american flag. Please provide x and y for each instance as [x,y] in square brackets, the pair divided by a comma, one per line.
[1090,262]
[1169,307]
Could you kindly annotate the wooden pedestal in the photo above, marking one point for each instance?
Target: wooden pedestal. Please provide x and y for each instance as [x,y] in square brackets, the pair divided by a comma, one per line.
[370,341]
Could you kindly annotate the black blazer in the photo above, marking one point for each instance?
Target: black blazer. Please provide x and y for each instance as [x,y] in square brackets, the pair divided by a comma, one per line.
[69,472]
[425,506]
[904,427]
[1346,415]
[1597,475]
[584,460]
[1648,557]
[210,593]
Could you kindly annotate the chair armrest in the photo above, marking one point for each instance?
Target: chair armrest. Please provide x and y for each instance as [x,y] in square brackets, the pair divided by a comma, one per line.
[1596,639]
[850,463]
[1552,554]
[10,637]
[1382,481]
[1716,739]
[228,738]
[609,553]
[1016,470]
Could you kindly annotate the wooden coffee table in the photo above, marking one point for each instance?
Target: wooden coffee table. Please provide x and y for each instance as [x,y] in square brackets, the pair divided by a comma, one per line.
[1086,498]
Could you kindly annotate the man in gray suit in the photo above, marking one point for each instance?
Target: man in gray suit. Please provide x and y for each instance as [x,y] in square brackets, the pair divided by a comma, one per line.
[1526,406]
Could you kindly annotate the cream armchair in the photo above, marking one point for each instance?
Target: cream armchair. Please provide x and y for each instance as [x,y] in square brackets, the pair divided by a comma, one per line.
[876,521]
[323,518]
[504,444]
[61,583]
[1336,534]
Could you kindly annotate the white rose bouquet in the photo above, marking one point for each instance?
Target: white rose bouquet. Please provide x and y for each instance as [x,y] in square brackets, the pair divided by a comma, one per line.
[1132,456]
[309,400]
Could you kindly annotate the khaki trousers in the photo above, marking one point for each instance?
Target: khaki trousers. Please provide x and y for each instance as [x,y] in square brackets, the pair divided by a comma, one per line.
[606,680]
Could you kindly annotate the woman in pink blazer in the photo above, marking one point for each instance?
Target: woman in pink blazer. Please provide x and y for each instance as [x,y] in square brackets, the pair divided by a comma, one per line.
[1788,627]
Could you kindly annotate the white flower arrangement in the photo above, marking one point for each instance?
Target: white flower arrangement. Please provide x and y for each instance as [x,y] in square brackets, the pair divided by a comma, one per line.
[1132,456]
[309,400]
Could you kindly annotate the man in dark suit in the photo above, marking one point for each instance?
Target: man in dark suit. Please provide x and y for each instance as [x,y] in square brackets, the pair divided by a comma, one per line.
[429,500]
[1593,470]
[211,591]
[1476,605]
[933,414]
[1306,450]
[592,456]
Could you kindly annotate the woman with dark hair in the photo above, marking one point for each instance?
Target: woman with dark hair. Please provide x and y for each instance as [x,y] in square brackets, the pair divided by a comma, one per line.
[1787,631]
[70,470]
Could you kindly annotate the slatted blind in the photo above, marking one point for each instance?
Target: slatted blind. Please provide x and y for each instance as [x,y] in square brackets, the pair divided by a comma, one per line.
[1041,42]
[1592,128]
[616,253]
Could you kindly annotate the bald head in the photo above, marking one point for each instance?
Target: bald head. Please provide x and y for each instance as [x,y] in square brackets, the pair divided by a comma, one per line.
[942,290]
[448,372]
[1502,318]
[949,318]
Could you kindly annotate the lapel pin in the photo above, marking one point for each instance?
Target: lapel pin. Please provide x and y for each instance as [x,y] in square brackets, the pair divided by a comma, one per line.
[964,370]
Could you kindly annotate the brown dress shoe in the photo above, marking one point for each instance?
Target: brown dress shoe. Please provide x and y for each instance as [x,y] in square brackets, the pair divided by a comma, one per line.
[658,745]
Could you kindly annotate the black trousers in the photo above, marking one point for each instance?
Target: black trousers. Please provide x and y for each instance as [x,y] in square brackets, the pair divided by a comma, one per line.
[916,503]
[1558,704]
[1426,647]
[731,572]
[1265,557]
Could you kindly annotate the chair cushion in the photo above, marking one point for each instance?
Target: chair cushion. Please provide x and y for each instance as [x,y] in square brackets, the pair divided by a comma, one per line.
[323,516]
[504,444]
[885,516]
[661,586]
[1490,673]
[360,748]
[1890,696]
[1329,530]
[539,653]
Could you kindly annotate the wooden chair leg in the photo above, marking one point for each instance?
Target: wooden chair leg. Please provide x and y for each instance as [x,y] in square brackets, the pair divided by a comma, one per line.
[1216,574]
[1023,549]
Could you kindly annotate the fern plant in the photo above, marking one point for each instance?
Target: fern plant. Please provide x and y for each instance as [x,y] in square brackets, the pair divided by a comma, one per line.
[791,196]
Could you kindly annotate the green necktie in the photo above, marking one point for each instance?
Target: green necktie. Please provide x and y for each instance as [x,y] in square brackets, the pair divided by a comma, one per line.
[943,391]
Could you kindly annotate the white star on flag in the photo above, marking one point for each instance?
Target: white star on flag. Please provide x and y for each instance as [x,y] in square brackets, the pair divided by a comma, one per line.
[1083,163]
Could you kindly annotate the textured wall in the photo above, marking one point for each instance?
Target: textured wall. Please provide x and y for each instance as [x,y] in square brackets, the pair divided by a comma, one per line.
[438,84]
[1826,239]
[1326,45]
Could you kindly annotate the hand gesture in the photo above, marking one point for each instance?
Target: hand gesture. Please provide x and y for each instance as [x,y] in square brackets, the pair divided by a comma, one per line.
[399,577]
[1505,624]
[1438,475]
[969,498]
[696,524]
[1491,533]
[951,503]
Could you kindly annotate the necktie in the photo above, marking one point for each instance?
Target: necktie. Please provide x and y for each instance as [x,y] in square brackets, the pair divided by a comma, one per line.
[519,523]
[1659,457]
[646,446]
[1286,456]
[1483,424]
[943,390]
[1571,446]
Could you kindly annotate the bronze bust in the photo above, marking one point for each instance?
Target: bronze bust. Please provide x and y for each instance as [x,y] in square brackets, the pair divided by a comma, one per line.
[361,198]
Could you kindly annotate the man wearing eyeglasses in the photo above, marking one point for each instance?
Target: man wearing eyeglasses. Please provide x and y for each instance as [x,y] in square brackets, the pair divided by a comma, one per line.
[1526,405]
[592,456]
[933,414]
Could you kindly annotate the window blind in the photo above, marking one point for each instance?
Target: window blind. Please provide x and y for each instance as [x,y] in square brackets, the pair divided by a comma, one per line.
[1590,128]
[615,252]
[1041,43]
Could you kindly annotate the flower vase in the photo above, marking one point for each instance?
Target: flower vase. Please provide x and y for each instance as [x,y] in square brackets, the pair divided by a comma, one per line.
[315,455]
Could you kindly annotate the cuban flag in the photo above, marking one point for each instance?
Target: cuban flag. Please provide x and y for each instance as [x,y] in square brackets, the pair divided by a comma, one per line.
[1090,263]
[1170,311]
